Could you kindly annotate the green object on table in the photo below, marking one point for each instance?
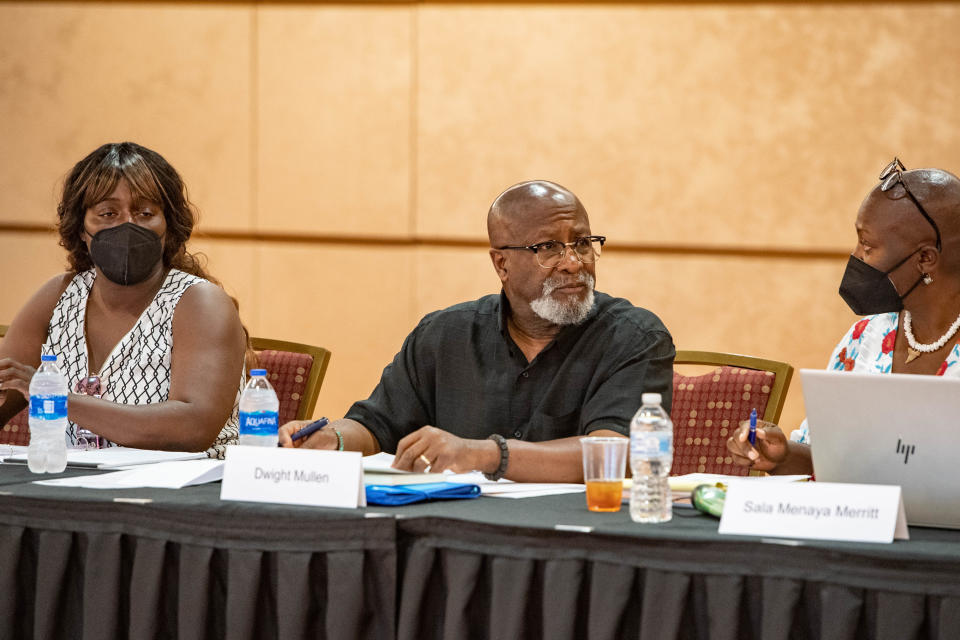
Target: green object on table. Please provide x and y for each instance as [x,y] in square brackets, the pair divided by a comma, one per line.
[709,498]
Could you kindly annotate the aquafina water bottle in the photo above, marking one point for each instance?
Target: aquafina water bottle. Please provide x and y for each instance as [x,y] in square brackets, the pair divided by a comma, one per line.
[47,452]
[651,456]
[259,407]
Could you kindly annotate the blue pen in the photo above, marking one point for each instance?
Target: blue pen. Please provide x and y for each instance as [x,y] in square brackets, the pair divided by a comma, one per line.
[753,428]
[313,427]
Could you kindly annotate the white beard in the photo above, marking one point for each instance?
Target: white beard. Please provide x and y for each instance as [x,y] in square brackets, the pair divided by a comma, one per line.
[558,313]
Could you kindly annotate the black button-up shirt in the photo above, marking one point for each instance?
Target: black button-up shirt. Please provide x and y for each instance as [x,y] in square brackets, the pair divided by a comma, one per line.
[460,370]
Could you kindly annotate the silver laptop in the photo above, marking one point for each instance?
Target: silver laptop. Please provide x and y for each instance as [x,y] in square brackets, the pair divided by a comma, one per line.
[889,429]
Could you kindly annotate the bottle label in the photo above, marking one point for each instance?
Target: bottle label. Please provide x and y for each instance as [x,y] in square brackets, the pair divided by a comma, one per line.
[48,407]
[652,444]
[259,423]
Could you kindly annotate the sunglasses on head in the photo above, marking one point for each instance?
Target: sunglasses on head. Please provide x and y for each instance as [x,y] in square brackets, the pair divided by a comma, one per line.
[891,176]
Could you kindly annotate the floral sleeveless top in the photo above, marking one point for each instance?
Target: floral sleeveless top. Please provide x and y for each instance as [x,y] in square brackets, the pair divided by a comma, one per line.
[867,347]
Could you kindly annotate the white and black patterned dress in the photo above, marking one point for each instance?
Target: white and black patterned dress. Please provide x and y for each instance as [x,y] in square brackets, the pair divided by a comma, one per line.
[137,371]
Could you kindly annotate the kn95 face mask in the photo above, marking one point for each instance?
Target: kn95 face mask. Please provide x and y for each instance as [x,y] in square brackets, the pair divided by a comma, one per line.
[127,253]
[868,290]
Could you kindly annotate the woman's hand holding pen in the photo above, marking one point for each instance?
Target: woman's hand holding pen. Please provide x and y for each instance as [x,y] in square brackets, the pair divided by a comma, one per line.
[770,450]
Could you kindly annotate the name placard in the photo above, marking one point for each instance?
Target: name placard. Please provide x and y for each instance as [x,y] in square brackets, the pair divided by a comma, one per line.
[818,510]
[294,476]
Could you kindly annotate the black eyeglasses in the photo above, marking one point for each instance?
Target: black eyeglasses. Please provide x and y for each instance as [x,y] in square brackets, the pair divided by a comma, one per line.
[893,175]
[550,253]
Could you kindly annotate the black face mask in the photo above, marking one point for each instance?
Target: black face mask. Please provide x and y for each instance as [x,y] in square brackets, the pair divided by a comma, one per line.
[127,253]
[867,290]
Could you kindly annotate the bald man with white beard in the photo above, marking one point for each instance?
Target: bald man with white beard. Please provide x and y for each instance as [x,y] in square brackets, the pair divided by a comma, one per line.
[510,383]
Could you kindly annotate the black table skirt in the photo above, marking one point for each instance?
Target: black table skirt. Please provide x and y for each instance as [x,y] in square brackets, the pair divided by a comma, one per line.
[472,579]
[104,570]
[182,564]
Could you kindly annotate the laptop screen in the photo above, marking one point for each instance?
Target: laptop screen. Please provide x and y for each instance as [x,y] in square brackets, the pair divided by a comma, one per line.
[893,429]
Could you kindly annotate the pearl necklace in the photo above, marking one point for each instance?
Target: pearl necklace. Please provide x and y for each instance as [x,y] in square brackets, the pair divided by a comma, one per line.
[915,350]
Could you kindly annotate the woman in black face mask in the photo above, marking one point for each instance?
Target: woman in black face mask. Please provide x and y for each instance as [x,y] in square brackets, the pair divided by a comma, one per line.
[904,277]
[151,345]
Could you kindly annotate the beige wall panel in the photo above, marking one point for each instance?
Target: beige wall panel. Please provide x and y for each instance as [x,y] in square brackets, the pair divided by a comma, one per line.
[174,77]
[774,308]
[334,119]
[446,277]
[354,301]
[746,124]
[27,260]
[235,264]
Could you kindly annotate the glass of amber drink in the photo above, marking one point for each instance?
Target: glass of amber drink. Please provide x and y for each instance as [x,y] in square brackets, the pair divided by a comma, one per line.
[604,461]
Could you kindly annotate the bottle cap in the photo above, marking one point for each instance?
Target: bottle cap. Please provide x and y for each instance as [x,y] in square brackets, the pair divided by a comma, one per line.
[650,398]
[258,372]
[48,358]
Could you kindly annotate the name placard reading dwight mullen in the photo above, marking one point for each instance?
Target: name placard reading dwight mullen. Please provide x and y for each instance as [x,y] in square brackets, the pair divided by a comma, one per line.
[293,476]
[819,510]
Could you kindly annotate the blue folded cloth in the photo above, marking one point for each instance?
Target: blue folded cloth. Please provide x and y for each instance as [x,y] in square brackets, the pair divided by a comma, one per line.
[410,493]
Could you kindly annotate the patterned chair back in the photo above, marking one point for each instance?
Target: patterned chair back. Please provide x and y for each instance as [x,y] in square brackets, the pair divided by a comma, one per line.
[295,371]
[17,429]
[707,408]
[287,373]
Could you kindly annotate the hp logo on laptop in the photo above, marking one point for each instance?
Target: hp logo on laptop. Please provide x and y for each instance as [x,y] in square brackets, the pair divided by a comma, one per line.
[905,449]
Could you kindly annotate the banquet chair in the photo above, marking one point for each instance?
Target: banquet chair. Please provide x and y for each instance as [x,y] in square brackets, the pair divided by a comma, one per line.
[295,371]
[17,429]
[708,407]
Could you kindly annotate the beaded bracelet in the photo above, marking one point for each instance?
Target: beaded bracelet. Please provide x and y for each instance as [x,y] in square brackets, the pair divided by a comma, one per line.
[339,438]
[504,457]
[319,424]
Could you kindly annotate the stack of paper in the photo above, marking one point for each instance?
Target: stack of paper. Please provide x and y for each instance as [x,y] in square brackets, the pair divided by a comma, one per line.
[402,478]
[164,475]
[377,469]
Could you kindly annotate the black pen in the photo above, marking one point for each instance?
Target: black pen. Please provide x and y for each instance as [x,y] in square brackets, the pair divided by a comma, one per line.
[313,427]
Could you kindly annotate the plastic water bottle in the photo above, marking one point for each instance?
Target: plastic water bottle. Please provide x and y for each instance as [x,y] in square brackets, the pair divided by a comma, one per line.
[651,456]
[259,407]
[47,452]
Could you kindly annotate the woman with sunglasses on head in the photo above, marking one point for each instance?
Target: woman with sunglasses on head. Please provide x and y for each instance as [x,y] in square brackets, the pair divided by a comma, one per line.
[151,345]
[904,277]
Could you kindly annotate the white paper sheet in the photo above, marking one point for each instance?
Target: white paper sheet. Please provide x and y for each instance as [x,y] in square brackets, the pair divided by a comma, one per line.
[380,462]
[115,457]
[544,490]
[163,475]
[508,489]
[9,450]
[690,481]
